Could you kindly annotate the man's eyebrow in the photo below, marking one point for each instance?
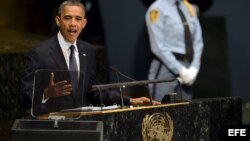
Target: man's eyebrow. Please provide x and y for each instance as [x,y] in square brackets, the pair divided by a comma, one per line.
[79,16]
[67,16]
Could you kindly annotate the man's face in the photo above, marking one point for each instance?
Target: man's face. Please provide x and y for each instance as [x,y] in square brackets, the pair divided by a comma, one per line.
[71,22]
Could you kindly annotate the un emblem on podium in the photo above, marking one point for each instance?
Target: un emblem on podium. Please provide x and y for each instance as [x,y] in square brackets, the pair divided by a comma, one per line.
[157,127]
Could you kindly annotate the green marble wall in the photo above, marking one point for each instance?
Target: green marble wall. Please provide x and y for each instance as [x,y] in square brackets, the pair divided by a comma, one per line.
[10,73]
[13,45]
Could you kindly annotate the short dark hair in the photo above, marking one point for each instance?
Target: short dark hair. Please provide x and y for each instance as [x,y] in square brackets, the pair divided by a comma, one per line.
[71,3]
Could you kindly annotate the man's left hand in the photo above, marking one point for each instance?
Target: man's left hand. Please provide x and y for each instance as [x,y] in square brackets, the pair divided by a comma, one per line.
[142,101]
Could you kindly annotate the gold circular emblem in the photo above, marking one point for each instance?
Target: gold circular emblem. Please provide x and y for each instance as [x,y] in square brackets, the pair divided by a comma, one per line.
[157,127]
[153,15]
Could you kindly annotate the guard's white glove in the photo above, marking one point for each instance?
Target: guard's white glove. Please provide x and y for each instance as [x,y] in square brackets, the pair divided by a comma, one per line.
[188,76]
[180,80]
[183,75]
[192,74]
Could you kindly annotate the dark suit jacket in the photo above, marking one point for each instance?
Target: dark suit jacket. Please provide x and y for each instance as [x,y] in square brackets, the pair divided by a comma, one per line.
[48,55]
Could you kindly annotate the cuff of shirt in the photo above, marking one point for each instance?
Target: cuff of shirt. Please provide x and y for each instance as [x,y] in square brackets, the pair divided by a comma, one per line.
[44,100]
[126,100]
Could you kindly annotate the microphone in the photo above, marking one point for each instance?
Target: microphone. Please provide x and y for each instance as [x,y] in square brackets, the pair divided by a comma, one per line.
[118,80]
[117,71]
[129,78]
[113,69]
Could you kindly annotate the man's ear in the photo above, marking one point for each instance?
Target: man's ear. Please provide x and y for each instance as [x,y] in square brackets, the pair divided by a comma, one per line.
[57,19]
[84,23]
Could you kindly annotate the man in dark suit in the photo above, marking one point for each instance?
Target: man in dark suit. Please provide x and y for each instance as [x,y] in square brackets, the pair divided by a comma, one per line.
[54,54]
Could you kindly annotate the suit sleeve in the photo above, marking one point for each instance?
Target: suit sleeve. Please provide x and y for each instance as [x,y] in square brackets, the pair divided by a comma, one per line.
[32,63]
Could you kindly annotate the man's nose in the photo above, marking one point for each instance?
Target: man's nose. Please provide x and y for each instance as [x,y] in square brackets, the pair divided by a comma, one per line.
[73,22]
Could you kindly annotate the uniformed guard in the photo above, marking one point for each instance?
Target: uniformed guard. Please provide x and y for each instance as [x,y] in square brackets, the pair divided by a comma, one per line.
[176,41]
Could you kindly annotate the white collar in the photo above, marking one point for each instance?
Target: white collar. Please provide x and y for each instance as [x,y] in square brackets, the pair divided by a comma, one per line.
[64,43]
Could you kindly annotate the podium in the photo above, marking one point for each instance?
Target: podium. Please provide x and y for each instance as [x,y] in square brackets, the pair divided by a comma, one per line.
[201,119]
[44,130]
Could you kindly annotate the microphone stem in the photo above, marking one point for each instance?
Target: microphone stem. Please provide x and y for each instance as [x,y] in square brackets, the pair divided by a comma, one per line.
[100,98]
[120,88]
[126,76]
[122,103]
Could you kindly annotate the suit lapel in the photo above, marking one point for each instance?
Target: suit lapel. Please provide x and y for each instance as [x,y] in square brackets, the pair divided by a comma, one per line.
[83,66]
[60,62]
[82,57]
[57,54]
